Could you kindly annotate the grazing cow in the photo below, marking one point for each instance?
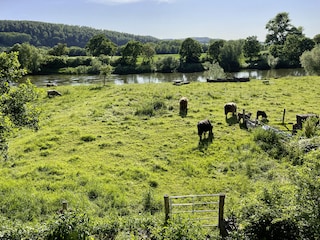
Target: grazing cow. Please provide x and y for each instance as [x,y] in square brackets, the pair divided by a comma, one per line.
[203,127]
[245,117]
[230,107]
[262,114]
[53,93]
[183,106]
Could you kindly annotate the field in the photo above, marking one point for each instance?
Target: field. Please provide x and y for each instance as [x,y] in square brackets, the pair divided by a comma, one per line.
[109,149]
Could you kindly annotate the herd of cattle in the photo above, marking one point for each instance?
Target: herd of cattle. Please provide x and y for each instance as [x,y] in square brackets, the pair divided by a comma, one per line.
[205,125]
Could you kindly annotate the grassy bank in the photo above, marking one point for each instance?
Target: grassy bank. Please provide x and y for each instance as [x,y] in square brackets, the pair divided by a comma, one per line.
[105,149]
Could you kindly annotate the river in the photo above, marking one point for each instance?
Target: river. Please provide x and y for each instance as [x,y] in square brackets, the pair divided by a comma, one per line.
[42,80]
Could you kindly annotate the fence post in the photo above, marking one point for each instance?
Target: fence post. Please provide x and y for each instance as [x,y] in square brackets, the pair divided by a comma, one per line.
[166,207]
[284,114]
[221,210]
[64,206]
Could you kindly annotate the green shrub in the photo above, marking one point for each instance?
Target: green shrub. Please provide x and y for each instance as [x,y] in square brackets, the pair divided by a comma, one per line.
[271,142]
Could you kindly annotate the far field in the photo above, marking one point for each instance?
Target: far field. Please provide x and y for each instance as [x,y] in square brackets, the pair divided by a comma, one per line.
[105,148]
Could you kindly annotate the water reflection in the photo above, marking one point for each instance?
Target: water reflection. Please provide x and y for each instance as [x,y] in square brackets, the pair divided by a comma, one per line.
[43,80]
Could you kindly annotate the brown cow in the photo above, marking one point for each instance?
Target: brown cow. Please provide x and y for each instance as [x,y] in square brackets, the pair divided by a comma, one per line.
[183,106]
[230,107]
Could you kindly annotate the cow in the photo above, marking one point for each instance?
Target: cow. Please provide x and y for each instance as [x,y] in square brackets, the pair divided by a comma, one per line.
[262,114]
[183,106]
[203,127]
[230,107]
[53,93]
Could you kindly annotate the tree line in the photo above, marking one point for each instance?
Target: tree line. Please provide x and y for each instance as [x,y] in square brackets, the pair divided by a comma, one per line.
[284,47]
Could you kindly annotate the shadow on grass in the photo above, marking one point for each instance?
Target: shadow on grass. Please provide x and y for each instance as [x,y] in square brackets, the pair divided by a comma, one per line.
[205,142]
[232,120]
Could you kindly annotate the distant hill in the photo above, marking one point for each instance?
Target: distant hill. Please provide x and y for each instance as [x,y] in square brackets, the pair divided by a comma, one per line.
[50,34]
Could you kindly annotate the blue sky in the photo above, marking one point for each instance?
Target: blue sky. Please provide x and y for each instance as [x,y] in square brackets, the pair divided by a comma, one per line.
[226,19]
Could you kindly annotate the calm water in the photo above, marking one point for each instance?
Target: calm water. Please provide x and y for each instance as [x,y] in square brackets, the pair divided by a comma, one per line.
[42,80]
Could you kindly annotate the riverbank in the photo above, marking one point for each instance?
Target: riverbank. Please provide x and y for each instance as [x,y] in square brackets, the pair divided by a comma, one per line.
[83,79]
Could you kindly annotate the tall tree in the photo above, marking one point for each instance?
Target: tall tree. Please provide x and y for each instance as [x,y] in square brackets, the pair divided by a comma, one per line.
[130,53]
[214,50]
[293,48]
[230,54]
[278,29]
[148,51]
[190,51]
[29,57]
[100,44]
[251,48]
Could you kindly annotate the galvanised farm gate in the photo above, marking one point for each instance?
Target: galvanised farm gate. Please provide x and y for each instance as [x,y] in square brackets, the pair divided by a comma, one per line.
[206,208]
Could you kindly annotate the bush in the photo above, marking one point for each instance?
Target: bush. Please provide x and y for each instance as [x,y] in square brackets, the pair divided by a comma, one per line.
[271,142]
[310,61]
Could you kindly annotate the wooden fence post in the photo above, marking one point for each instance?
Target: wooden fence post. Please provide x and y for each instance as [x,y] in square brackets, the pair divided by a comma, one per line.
[64,205]
[284,114]
[166,207]
[221,210]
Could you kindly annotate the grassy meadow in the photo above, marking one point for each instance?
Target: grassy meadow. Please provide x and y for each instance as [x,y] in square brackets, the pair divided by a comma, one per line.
[108,149]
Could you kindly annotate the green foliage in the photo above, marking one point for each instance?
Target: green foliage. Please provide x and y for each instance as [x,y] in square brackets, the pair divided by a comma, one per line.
[50,34]
[167,64]
[278,29]
[59,50]
[69,226]
[251,48]
[230,55]
[100,44]
[271,142]
[310,61]
[190,51]
[215,71]
[29,57]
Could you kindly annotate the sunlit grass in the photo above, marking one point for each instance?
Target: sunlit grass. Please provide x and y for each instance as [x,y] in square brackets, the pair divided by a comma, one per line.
[103,148]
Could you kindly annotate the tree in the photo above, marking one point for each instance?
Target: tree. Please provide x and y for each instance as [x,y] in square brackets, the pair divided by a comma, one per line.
[316,39]
[100,44]
[310,61]
[214,50]
[130,53]
[16,108]
[230,54]
[29,57]
[293,48]
[148,51]
[59,50]
[190,51]
[279,28]
[251,48]
[105,71]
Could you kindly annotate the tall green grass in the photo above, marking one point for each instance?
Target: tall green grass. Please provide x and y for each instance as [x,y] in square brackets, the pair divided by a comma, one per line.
[118,149]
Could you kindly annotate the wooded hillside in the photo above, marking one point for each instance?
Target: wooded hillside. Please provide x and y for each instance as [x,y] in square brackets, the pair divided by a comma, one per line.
[50,34]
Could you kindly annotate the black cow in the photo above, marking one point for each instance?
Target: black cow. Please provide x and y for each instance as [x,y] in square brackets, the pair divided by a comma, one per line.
[230,107]
[262,114]
[53,93]
[203,127]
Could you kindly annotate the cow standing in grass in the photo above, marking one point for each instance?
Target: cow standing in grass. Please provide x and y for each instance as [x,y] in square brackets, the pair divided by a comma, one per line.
[183,106]
[203,127]
[230,107]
